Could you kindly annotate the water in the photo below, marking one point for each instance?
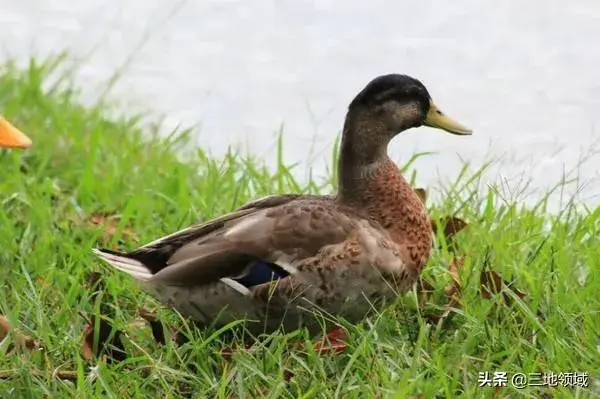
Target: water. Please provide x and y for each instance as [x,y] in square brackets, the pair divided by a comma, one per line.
[523,75]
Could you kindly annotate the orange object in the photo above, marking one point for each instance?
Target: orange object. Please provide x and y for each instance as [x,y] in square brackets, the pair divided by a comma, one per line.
[11,137]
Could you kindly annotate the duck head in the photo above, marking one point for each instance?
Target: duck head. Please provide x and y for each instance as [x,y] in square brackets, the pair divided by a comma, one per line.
[386,106]
[399,102]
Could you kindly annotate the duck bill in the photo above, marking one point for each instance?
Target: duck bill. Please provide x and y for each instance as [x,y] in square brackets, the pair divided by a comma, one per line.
[436,118]
[11,137]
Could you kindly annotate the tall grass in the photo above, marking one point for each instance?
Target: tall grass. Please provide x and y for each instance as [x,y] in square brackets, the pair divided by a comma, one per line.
[84,163]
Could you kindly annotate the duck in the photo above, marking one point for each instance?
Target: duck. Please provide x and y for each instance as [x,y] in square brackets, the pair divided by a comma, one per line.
[291,261]
[11,137]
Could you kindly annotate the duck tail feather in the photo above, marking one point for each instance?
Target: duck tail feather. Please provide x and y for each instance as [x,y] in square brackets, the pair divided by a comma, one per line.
[124,263]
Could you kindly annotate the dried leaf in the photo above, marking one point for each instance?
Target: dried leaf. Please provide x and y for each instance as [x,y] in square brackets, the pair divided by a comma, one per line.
[452,290]
[110,225]
[334,341]
[451,226]
[109,341]
[42,282]
[21,340]
[5,327]
[497,392]
[492,283]
[288,375]
[422,194]
[67,375]
[87,350]
[57,374]
[158,331]
[448,311]
[227,352]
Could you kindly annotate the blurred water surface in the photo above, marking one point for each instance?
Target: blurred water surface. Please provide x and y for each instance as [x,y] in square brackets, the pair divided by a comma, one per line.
[524,76]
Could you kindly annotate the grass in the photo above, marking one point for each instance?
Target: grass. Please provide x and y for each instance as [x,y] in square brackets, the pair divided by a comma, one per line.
[84,163]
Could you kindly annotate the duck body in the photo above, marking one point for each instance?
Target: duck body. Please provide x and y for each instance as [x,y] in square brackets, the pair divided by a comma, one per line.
[278,261]
[290,261]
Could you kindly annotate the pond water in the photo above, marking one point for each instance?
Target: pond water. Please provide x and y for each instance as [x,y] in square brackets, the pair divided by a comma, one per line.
[524,76]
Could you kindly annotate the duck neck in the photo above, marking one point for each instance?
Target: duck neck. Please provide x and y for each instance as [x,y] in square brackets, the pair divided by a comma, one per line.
[363,153]
[370,181]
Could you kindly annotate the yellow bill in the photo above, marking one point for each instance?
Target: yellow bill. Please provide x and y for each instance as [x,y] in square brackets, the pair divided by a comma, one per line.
[436,118]
[11,137]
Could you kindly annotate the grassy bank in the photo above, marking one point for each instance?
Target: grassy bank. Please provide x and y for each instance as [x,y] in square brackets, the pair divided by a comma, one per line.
[90,180]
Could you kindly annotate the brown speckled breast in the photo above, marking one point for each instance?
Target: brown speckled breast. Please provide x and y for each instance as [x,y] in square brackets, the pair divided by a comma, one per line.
[394,204]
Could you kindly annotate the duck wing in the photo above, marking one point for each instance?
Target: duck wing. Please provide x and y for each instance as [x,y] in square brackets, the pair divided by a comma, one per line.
[252,245]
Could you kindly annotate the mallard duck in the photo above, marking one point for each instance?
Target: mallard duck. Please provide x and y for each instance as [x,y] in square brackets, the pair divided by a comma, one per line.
[11,137]
[283,261]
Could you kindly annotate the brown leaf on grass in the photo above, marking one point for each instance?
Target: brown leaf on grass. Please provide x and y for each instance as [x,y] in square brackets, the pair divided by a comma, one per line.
[451,225]
[227,351]
[335,341]
[288,375]
[452,290]
[158,330]
[110,224]
[422,194]
[454,303]
[21,340]
[5,327]
[109,341]
[41,282]
[492,283]
[57,374]
[67,375]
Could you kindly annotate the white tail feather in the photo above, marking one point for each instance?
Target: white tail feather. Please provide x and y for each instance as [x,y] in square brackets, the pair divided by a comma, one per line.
[236,286]
[127,265]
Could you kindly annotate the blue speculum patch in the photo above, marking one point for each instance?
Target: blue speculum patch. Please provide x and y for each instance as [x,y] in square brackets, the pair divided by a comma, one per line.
[262,272]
